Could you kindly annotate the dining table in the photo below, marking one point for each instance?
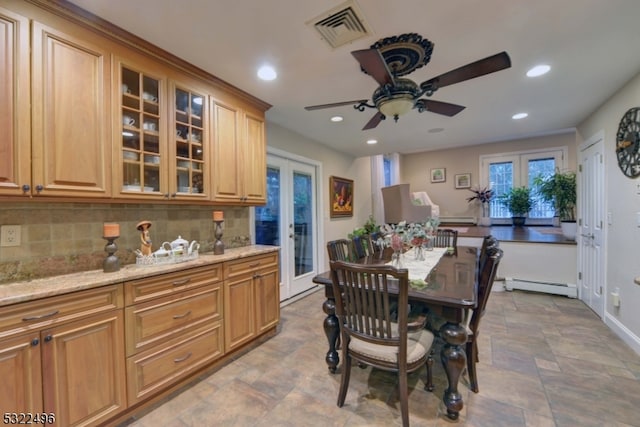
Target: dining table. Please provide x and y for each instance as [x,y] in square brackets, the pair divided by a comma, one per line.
[446,281]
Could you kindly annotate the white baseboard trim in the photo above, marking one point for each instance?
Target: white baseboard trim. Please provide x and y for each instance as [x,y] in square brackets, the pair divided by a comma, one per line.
[300,295]
[567,289]
[471,220]
[623,332]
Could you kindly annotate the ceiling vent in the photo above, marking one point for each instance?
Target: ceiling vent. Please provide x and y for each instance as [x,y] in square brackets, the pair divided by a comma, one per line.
[341,25]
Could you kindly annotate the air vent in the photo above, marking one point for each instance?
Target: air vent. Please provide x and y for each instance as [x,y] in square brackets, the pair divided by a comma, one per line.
[341,25]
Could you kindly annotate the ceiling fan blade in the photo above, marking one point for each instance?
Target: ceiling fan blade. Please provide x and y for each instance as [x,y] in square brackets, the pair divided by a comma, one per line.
[375,120]
[479,68]
[439,107]
[373,63]
[335,104]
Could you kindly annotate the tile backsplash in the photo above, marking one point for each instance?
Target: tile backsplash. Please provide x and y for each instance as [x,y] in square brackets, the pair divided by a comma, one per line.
[62,238]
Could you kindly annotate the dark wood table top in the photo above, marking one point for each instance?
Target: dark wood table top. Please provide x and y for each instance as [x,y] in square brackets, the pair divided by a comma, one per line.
[452,282]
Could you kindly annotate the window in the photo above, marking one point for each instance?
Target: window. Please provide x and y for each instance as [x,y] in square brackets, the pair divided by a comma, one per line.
[387,170]
[501,172]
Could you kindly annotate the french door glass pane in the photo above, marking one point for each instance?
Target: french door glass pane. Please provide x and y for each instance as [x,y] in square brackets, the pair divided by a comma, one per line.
[268,216]
[303,223]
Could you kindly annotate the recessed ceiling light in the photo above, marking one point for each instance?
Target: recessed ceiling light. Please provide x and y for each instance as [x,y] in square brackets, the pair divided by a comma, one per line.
[372,141]
[538,70]
[337,119]
[519,116]
[267,72]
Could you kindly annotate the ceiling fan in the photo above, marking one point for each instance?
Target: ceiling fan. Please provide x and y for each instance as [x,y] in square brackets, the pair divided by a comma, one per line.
[392,57]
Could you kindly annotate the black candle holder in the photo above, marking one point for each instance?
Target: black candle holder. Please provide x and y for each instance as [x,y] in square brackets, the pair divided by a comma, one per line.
[218,246]
[111,262]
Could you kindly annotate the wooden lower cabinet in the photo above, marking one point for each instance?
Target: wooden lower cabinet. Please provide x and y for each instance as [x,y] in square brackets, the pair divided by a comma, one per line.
[174,328]
[251,298]
[73,369]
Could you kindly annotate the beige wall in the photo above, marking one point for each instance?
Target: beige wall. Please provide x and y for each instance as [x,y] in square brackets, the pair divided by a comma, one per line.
[415,169]
[623,202]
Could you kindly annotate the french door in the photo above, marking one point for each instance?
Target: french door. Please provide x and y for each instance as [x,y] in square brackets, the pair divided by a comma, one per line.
[289,220]
[591,257]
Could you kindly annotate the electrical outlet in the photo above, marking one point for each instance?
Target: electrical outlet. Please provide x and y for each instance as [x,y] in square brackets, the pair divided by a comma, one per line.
[9,235]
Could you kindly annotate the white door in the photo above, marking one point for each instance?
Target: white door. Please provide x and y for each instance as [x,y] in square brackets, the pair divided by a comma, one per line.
[591,261]
[289,220]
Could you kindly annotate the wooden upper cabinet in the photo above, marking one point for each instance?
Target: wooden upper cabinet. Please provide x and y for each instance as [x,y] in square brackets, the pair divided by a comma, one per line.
[70,114]
[140,127]
[254,163]
[240,168]
[15,95]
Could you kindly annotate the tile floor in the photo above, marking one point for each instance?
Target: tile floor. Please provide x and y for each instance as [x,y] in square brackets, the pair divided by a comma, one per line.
[545,361]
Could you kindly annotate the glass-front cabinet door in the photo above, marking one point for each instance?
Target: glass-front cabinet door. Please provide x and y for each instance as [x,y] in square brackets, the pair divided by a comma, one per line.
[189,175]
[142,127]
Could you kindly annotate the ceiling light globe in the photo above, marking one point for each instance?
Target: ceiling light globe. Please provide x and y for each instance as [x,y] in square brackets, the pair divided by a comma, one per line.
[395,107]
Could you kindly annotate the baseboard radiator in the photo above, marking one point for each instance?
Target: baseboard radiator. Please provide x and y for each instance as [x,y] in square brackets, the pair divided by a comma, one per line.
[458,219]
[567,289]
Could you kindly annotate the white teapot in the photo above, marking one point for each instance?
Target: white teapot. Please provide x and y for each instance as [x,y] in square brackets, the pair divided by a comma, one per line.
[180,243]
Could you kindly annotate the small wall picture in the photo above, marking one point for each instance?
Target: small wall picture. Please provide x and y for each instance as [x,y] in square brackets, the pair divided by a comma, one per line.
[463,180]
[341,196]
[438,175]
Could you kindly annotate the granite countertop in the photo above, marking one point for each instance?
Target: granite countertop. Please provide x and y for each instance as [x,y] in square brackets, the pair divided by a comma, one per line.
[16,292]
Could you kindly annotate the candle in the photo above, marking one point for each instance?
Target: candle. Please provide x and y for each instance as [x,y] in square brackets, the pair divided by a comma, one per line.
[111,230]
[218,215]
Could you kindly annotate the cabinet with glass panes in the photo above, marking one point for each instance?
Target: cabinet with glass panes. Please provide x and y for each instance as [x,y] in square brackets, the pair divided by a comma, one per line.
[141,133]
[189,144]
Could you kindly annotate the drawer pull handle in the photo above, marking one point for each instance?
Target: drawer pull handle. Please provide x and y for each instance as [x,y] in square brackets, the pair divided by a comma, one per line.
[182,316]
[254,265]
[182,282]
[182,359]
[42,316]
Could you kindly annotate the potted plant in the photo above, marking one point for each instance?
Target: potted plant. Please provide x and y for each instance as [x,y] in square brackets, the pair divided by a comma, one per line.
[519,202]
[559,189]
[484,196]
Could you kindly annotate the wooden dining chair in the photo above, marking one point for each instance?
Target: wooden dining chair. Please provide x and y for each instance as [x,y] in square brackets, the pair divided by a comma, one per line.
[445,238]
[369,334]
[486,277]
[488,243]
[362,246]
[340,250]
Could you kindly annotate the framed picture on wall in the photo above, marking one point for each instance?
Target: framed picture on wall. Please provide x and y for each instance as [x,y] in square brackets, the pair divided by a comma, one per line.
[341,197]
[463,180]
[438,175]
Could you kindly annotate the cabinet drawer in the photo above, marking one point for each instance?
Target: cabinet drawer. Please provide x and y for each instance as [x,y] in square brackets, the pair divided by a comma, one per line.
[156,321]
[42,313]
[154,370]
[171,283]
[249,265]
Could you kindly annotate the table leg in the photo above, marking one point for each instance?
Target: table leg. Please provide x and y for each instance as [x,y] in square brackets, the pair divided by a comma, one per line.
[332,331]
[454,361]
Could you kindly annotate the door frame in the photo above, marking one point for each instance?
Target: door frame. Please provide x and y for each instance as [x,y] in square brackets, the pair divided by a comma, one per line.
[320,206]
[597,138]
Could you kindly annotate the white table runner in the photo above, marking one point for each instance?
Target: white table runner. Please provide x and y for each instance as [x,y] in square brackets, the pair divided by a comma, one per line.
[419,270]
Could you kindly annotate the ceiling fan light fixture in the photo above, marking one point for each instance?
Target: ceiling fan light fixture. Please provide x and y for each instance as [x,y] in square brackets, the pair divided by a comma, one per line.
[395,107]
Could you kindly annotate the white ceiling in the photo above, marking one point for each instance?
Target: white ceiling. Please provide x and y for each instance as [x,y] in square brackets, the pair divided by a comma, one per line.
[591,45]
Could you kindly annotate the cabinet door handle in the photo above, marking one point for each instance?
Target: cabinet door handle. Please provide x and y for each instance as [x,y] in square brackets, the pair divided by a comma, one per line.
[42,316]
[182,316]
[35,342]
[26,188]
[48,338]
[182,359]
[39,188]
[181,282]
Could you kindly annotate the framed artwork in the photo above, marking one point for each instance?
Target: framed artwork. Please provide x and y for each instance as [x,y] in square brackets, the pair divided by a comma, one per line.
[341,197]
[463,180]
[438,175]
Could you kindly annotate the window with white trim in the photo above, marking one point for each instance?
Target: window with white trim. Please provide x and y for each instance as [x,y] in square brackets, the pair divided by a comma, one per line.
[501,172]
